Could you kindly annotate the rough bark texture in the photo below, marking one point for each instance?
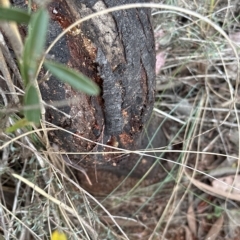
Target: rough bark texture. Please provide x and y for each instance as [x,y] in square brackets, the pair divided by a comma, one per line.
[117,52]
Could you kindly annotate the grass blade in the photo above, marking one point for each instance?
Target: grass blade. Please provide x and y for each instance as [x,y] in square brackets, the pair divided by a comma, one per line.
[14,14]
[75,79]
[31,98]
[17,125]
[34,44]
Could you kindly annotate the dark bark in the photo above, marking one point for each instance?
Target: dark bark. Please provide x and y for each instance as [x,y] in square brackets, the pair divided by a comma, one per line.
[126,62]
[117,52]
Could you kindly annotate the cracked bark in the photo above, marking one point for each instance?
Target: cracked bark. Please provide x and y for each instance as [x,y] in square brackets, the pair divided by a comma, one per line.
[117,51]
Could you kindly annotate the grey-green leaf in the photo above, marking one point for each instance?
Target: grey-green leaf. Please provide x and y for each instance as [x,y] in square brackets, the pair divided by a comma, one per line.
[31,98]
[34,44]
[18,125]
[75,79]
[14,14]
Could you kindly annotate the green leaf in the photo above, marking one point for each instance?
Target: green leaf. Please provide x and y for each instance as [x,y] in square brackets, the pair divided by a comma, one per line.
[17,125]
[14,14]
[34,44]
[75,79]
[31,98]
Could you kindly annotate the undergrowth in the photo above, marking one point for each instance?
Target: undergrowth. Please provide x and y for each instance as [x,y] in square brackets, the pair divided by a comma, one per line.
[197,45]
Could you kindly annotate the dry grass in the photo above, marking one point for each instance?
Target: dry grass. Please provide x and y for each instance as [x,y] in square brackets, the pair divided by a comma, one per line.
[197,99]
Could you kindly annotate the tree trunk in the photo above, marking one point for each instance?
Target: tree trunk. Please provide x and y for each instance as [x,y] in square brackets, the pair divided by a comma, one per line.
[117,52]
